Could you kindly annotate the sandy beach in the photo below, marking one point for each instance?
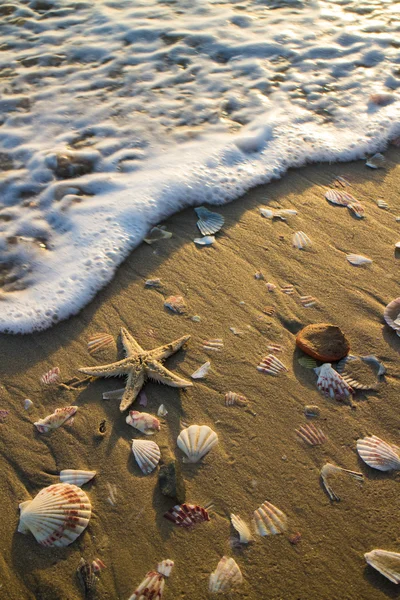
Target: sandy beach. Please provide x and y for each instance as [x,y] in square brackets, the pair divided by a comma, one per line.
[259,457]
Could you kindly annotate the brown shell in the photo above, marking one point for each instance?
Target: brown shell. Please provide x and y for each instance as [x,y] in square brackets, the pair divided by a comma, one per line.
[323,341]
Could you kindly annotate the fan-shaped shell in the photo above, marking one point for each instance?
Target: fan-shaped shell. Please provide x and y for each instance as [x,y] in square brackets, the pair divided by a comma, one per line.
[379,454]
[339,198]
[358,259]
[201,371]
[186,515]
[152,586]
[226,575]
[331,383]
[147,455]
[57,515]
[269,520]
[99,341]
[272,365]
[76,477]
[376,161]
[387,563]
[196,441]
[57,418]
[209,222]
[357,209]
[301,240]
[242,528]
[144,422]
[391,314]
[51,377]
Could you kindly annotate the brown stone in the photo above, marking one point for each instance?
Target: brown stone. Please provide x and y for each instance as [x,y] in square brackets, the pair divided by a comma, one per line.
[323,341]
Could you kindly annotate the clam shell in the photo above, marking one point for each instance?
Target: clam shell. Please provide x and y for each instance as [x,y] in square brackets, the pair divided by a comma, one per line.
[57,418]
[269,520]
[196,441]
[272,365]
[144,422]
[242,528]
[358,259]
[201,371]
[147,455]
[379,454]
[387,563]
[330,383]
[226,575]
[76,477]
[301,240]
[57,515]
[391,314]
[209,222]
[186,515]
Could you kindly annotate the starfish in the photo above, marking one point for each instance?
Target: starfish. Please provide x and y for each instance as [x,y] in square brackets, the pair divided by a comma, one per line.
[139,365]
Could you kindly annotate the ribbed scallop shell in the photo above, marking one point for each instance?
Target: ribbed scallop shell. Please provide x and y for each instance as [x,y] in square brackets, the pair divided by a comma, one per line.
[76,477]
[331,383]
[242,528]
[387,563]
[271,365]
[152,587]
[209,222]
[57,418]
[329,469]
[301,240]
[147,455]
[391,314]
[379,454]
[358,259]
[226,575]
[57,515]
[339,198]
[144,422]
[357,209]
[187,515]
[51,377]
[311,434]
[269,520]
[196,441]
[98,342]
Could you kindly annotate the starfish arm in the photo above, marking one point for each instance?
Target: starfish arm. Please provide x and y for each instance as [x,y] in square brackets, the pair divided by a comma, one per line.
[164,351]
[129,343]
[116,369]
[157,372]
[133,386]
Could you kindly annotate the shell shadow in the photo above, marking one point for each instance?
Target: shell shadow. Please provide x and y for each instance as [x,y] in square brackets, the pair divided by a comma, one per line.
[379,582]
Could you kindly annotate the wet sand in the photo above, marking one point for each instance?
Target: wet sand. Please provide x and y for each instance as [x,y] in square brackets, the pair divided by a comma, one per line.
[259,457]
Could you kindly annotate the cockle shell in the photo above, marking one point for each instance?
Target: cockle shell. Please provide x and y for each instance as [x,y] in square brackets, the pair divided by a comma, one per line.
[57,418]
[51,377]
[272,365]
[186,515]
[146,423]
[76,477]
[311,434]
[331,383]
[387,563]
[379,454]
[98,342]
[391,314]
[358,259]
[152,586]
[57,515]
[201,371]
[209,222]
[226,575]
[269,520]
[207,240]
[330,469]
[176,304]
[234,399]
[301,240]
[147,455]
[196,441]
[242,528]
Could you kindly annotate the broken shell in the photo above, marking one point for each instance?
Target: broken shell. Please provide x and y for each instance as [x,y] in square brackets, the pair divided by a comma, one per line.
[162,411]
[57,418]
[392,314]
[269,520]
[145,422]
[76,477]
[98,342]
[153,584]
[243,530]
[307,362]
[301,240]
[379,454]
[147,455]
[51,377]
[382,204]
[165,567]
[153,282]
[176,304]
[311,434]
[358,259]
[209,222]
[275,348]
[357,209]
[272,365]
[114,394]
[57,515]
[270,286]
[387,563]
[376,161]
[215,345]
[287,289]
[331,384]
[282,213]
[308,301]
[329,469]
[201,371]
[234,399]
[208,240]
[226,575]
[87,577]
[196,441]
[187,515]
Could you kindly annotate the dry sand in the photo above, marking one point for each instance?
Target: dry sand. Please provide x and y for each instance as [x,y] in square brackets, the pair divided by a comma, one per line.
[259,456]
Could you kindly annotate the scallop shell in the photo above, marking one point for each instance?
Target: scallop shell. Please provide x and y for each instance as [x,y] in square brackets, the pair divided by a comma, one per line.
[209,222]
[301,240]
[77,477]
[392,314]
[270,213]
[57,515]
[176,304]
[215,344]
[288,289]
[307,362]
[376,161]
[242,528]
[201,371]
[358,259]
[272,365]
[57,418]
[269,520]
[87,577]
[51,377]
[207,240]
[152,586]
[196,441]
[379,454]
[98,342]
[226,575]
[357,209]
[330,383]
[387,563]
[146,423]
[330,469]
[311,434]
[147,455]
[339,198]
[186,515]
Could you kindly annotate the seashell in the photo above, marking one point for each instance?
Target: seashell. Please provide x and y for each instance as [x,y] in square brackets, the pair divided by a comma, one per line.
[392,314]
[307,362]
[157,233]
[275,348]
[269,520]
[311,434]
[312,410]
[196,441]
[98,342]
[282,213]
[258,275]
[208,240]
[214,344]
[162,411]
[379,454]
[331,383]
[243,530]
[51,377]
[235,331]
[153,283]
[382,204]
[196,319]
[233,399]
[209,222]
[387,563]
[357,209]
[301,240]
[358,259]
[147,455]
[112,493]
[382,98]
[341,182]
[269,310]
[77,478]
[165,567]
[271,365]
[357,385]
[28,404]
[308,301]
[146,423]
[339,198]
[176,304]
[87,577]
[57,515]
[225,577]
[56,419]
[270,286]
[376,161]
[287,289]
[330,469]
[187,515]
[201,371]
[114,394]
[152,586]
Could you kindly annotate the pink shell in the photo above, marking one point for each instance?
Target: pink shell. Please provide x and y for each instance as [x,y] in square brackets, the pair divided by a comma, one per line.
[392,313]
[187,515]
[145,422]
[378,454]
[340,198]
[53,421]
[51,377]
[311,434]
[331,383]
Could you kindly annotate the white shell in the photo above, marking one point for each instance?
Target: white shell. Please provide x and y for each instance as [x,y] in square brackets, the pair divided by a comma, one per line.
[272,365]
[57,418]
[269,520]
[330,469]
[308,301]
[331,383]
[144,422]
[226,575]
[153,584]
[301,240]
[201,371]
[358,259]
[162,411]
[157,233]
[379,454]
[382,204]
[339,198]
[114,394]
[77,477]
[147,455]
[165,567]
[27,404]
[387,563]
[282,213]
[392,314]
[376,161]
[243,530]
[57,515]
[207,240]
[196,441]
[209,222]
[215,344]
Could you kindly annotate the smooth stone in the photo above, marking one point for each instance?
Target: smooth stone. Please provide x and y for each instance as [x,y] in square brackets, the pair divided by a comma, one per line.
[323,341]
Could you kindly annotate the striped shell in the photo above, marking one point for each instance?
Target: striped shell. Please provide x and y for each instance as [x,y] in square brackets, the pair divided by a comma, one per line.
[269,520]
[339,198]
[357,209]
[51,377]
[358,259]
[331,384]
[329,469]
[152,586]
[209,222]
[311,434]
[77,477]
[301,240]
[392,314]
[234,399]
[147,455]
[387,563]
[272,365]
[196,441]
[242,528]
[57,515]
[226,575]
[186,515]
[214,345]
[57,418]
[144,422]
[379,454]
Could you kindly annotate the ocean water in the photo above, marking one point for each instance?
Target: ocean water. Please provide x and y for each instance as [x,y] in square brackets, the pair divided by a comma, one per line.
[116,114]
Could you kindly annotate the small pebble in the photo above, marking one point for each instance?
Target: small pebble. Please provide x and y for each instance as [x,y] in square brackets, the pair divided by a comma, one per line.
[312,411]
